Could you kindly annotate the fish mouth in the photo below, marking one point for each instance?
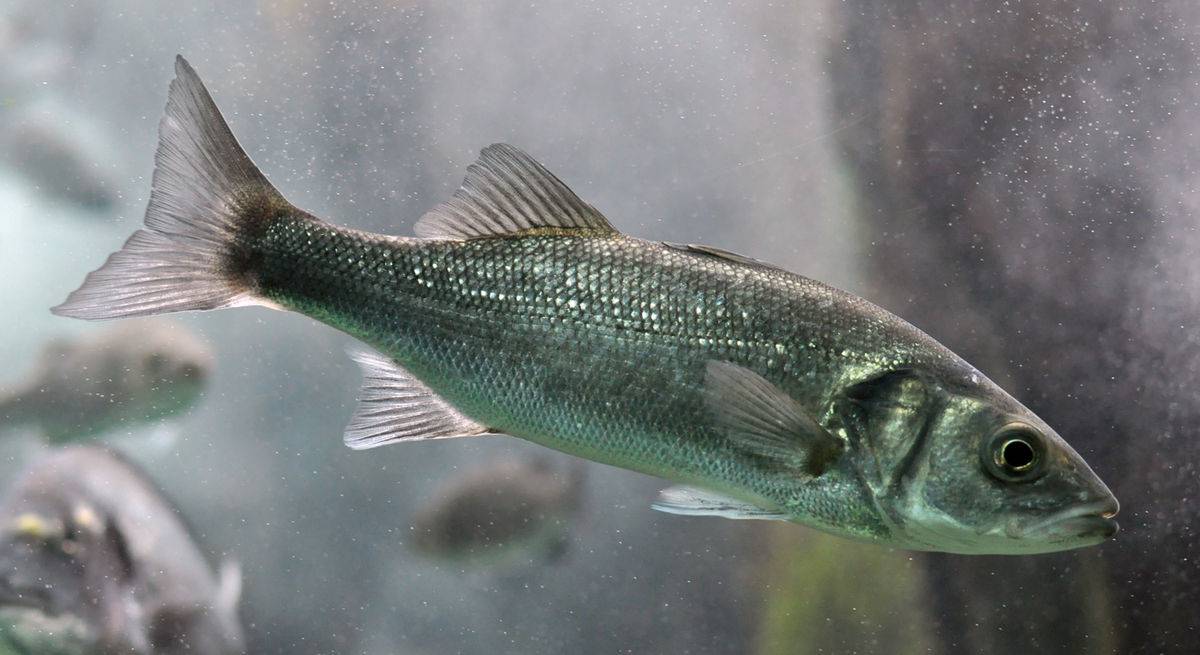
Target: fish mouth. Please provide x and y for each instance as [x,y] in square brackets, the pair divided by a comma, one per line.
[1089,521]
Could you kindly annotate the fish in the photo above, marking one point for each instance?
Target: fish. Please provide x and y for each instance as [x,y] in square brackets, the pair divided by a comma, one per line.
[88,542]
[519,309]
[499,512]
[130,374]
[47,148]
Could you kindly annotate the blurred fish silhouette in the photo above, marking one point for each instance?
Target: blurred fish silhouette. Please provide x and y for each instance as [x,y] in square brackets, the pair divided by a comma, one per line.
[521,310]
[47,147]
[500,513]
[121,377]
[90,547]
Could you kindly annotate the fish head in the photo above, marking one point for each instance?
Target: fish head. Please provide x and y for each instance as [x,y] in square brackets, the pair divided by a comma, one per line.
[965,468]
[59,554]
[37,557]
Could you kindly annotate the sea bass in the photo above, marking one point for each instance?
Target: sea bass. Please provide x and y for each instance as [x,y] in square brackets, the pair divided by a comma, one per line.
[519,309]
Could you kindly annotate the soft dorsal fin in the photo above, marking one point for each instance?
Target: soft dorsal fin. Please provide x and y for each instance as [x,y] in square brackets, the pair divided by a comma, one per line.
[719,253]
[394,406]
[506,192]
[764,420]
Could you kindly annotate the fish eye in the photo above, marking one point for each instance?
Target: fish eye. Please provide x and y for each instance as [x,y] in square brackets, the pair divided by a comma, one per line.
[1014,453]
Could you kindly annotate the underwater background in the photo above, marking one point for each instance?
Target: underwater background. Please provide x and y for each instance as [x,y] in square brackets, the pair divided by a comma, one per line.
[1018,179]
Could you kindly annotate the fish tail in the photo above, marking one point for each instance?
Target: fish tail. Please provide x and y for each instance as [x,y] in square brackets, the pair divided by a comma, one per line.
[207,202]
[225,605]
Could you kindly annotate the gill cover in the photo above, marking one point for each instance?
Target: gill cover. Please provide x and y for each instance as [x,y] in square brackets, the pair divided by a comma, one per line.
[888,419]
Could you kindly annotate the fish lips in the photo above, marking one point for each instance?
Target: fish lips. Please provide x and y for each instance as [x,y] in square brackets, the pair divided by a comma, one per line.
[1090,522]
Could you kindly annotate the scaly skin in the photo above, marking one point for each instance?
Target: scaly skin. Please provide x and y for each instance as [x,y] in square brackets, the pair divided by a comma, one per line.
[594,343]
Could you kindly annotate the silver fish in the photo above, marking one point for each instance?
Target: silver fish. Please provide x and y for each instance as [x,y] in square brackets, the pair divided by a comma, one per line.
[520,309]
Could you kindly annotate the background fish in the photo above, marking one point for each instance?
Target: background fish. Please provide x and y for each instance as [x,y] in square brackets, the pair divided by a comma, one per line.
[45,145]
[120,377]
[521,310]
[86,536]
[501,511]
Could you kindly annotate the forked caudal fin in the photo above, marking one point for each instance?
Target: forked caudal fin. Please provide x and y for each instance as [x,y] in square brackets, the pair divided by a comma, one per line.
[206,191]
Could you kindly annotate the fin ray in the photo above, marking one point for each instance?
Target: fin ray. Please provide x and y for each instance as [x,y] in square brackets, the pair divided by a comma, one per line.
[394,406]
[692,501]
[177,262]
[507,192]
[720,253]
[765,420]
[229,596]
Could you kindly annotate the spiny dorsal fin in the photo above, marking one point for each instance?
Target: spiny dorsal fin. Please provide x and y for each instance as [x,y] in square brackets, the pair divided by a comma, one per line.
[764,420]
[719,253]
[690,501]
[394,406]
[506,192]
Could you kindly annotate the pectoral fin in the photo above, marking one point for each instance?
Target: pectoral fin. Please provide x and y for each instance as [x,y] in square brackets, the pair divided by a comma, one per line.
[763,419]
[395,406]
[690,501]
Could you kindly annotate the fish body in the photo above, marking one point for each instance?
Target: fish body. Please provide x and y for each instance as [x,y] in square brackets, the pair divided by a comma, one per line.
[499,512]
[87,539]
[596,344]
[130,374]
[521,310]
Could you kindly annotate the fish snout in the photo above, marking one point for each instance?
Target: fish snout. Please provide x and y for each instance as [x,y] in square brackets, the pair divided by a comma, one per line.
[1090,516]
[1099,505]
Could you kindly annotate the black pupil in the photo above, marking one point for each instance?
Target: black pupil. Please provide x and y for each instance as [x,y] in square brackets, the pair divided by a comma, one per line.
[1017,454]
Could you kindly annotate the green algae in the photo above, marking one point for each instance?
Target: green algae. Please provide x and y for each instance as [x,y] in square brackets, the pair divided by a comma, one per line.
[827,595]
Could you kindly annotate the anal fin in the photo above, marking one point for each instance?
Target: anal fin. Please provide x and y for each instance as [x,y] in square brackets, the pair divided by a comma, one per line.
[690,501]
[394,406]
